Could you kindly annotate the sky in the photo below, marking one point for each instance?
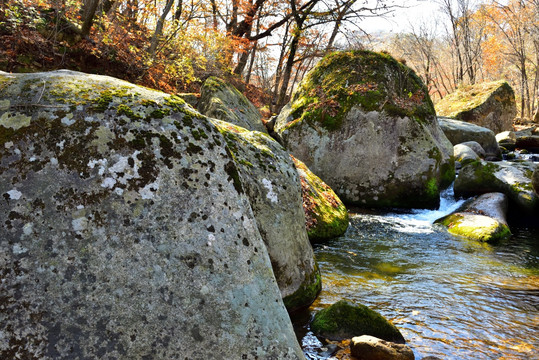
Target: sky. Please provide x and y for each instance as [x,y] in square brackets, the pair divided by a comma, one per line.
[415,12]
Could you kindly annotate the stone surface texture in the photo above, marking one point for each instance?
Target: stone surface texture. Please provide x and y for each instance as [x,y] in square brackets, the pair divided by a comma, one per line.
[221,100]
[125,230]
[491,105]
[325,215]
[482,219]
[367,347]
[460,132]
[476,147]
[365,124]
[273,186]
[464,154]
[512,179]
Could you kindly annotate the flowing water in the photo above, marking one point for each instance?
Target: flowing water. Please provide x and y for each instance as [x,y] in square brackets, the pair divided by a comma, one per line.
[450,297]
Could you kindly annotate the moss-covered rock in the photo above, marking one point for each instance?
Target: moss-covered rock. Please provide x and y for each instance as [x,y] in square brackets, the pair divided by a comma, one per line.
[325,215]
[460,132]
[125,231]
[535,181]
[483,219]
[222,101]
[271,182]
[345,320]
[512,179]
[491,105]
[365,124]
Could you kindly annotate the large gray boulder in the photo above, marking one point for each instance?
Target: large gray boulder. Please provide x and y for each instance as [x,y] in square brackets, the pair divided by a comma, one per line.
[482,219]
[125,229]
[459,132]
[491,105]
[512,179]
[221,100]
[365,124]
[272,183]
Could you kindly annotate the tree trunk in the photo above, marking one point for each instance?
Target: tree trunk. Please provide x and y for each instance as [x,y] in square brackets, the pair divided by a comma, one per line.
[90,6]
[288,69]
[159,27]
[179,10]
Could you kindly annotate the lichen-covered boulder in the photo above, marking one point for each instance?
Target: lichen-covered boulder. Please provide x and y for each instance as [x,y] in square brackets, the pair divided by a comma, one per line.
[367,347]
[483,219]
[221,100]
[512,179]
[491,105]
[326,216]
[476,147]
[459,132]
[345,320]
[365,124]
[273,186]
[125,231]
[464,154]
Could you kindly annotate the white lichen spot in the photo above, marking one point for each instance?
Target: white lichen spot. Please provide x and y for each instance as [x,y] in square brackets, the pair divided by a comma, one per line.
[68,120]
[4,104]
[28,228]
[8,145]
[15,121]
[271,195]
[80,207]
[119,191]
[61,144]
[148,191]
[32,159]
[54,161]
[211,239]
[108,182]
[80,224]
[102,165]
[14,194]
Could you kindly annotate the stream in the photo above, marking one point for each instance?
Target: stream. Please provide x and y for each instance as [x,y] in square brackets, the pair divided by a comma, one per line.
[450,297]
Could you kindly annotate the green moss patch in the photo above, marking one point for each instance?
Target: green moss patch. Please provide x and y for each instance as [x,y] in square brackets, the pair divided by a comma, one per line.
[306,294]
[373,81]
[344,320]
[475,227]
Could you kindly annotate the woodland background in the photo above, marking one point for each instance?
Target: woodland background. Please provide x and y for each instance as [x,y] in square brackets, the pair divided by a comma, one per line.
[265,47]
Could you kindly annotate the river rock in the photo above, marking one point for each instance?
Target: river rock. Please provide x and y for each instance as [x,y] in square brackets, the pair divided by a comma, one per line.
[463,154]
[345,319]
[512,179]
[535,181]
[530,143]
[483,219]
[460,132]
[476,147]
[222,101]
[326,216]
[273,186]
[365,124]
[507,139]
[367,347]
[491,105]
[125,229]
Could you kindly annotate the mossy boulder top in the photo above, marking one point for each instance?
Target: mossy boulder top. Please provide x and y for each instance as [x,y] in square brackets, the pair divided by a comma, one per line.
[272,184]
[490,104]
[221,100]
[365,124]
[460,131]
[512,179]
[125,231]
[326,216]
[346,319]
[482,219]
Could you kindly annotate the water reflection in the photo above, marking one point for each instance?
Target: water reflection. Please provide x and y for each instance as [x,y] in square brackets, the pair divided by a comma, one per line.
[451,298]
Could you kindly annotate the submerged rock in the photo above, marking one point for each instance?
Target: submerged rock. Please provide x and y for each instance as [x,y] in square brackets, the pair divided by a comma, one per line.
[482,219]
[223,101]
[491,105]
[512,179]
[271,182]
[459,132]
[367,347]
[365,124]
[326,216]
[125,229]
[344,320]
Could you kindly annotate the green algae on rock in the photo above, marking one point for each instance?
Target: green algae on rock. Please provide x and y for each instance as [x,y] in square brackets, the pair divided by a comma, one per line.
[272,184]
[365,124]
[482,219]
[325,214]
[345,320]
[512,179]
[490,104]
[222,101]
[123,235]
